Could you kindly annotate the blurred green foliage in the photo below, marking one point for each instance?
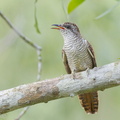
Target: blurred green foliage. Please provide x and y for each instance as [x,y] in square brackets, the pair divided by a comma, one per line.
[18,61]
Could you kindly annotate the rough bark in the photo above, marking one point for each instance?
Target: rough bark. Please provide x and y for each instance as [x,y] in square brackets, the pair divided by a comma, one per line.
[95,79]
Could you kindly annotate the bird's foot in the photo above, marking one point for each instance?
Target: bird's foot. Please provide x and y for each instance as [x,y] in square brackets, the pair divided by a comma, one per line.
[73,75]
[88,71]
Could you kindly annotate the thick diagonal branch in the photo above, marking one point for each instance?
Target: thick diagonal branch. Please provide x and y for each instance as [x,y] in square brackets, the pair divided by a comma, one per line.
[43,91]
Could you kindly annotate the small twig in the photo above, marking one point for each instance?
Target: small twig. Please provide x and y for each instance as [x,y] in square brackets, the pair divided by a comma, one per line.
[35,17]
[108,11]
[28,41]
[22,113]
[65,11]
[39,65]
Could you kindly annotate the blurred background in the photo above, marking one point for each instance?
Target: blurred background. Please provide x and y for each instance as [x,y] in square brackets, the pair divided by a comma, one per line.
[18,60]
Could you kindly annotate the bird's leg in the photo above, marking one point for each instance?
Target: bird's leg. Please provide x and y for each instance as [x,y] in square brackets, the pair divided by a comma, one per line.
[73,74]
[88,71]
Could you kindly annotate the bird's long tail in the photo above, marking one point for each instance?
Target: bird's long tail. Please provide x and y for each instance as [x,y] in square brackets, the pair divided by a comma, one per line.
[89,101]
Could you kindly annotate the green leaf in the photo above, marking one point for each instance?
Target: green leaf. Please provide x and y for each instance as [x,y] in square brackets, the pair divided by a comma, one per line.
[35,17]
[74,4]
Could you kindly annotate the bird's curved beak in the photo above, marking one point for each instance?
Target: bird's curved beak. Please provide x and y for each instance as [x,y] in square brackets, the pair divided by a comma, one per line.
[58,27]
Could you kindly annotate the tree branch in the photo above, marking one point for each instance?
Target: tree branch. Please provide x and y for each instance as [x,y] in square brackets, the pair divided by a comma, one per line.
[95,79]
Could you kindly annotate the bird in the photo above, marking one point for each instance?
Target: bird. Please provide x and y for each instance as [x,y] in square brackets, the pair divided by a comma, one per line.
[78,56]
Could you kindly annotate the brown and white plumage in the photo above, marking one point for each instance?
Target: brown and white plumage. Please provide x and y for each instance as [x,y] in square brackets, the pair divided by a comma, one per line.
[78,56]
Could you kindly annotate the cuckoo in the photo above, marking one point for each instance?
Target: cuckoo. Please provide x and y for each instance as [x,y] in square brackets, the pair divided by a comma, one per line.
[78,55]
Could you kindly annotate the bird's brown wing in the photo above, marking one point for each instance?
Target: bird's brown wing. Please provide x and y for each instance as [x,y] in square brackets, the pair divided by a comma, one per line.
[65,61]
[91,52]
[89,101]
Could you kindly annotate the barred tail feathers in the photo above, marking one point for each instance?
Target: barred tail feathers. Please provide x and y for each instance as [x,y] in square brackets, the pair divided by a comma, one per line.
[89,101]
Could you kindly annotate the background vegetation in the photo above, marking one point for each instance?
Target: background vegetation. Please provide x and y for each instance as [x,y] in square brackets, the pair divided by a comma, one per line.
[18,61]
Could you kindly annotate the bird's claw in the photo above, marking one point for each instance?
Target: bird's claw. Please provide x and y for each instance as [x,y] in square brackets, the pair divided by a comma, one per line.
[88,71]
[73,75]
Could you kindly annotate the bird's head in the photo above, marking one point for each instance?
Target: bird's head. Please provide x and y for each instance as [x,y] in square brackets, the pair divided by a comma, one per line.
[67,29]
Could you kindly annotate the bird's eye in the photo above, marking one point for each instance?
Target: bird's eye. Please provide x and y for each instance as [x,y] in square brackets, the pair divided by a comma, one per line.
[68,27]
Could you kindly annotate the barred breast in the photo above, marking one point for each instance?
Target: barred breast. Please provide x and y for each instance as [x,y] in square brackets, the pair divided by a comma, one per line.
[77,54]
